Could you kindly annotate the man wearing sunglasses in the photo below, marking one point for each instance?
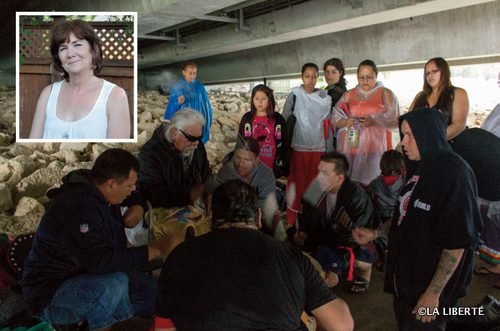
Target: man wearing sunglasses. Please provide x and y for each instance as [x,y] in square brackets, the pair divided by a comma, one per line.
[174,164]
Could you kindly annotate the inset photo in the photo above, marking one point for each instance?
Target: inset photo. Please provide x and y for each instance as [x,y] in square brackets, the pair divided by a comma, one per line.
[76,77]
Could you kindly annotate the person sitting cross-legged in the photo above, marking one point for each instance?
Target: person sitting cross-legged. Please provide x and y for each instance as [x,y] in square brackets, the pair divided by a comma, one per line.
[79,267]
[174,164]
[244,163]
[332,206]
[237,278]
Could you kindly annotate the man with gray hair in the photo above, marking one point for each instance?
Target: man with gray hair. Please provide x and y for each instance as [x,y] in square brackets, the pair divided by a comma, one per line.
[174,164]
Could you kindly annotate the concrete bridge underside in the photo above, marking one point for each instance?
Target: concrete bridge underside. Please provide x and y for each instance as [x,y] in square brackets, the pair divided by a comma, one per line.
[463,35]
[394,33]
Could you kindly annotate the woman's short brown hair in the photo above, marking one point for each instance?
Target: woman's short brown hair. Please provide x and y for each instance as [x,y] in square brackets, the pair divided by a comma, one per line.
[82,30]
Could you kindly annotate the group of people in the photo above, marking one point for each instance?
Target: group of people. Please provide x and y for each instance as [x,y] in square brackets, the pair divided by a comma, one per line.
[346,187]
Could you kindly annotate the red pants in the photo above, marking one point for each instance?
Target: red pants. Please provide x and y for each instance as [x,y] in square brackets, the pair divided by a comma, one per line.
[303,170]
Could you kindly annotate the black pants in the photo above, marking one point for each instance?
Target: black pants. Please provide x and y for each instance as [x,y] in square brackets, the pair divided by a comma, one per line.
[408,322]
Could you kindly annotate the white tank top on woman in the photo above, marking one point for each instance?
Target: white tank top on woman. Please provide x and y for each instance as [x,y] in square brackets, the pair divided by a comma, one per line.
[93,126]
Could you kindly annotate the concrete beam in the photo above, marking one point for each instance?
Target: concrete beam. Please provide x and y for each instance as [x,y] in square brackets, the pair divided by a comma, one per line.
[306,20]
[154,15]
[465,35]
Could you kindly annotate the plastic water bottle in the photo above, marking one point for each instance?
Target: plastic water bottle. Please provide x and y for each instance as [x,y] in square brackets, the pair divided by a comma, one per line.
[353,134]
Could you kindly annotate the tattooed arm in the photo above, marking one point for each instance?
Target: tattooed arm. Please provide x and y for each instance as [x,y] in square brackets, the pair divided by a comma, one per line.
[448,262]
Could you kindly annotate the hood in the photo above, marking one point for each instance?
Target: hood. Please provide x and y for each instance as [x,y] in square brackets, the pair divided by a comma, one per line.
[72,179]
[429,129]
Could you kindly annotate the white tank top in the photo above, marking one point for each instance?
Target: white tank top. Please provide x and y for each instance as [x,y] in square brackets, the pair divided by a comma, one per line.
[93,126]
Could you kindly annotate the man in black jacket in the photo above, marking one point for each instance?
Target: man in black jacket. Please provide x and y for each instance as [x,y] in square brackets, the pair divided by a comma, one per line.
[332,206]
[237,278]
[435,227]
[79,267]
[174,164]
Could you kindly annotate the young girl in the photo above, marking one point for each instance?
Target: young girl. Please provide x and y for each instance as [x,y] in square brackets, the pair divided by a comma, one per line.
[267,126]
[385,188]
[384,191]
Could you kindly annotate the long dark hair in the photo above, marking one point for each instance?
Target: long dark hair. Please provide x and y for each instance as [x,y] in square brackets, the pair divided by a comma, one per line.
[337,63]
[445,100]
[269,93]
[234,202]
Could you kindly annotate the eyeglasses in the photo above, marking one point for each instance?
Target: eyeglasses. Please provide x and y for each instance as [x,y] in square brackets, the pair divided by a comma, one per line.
[432,72]
[366,77]
[191,138]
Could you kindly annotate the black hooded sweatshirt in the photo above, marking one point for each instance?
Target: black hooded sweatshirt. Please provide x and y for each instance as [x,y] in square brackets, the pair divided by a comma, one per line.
[436,210]
[80,233]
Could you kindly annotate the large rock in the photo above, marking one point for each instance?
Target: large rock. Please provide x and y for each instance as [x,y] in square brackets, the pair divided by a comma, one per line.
[216,138]
[68,156]
[50,147]
[143,137]
[18,149]
[27,206]
[146,117]
[26,163]
[75,166]
[97,150]
[56,164]
[5,171]
[230,136]
[16,169]
[75,147]
[229,122]
[231,107]
[5,139]
[9,225]
[215,128]
[36,184]
[150,127]
[5,198]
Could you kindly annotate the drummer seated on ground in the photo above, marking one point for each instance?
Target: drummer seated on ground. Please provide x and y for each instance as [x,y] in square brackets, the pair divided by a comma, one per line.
[331,207]
[244,164]
[174,164]
[222,280]
[79,267]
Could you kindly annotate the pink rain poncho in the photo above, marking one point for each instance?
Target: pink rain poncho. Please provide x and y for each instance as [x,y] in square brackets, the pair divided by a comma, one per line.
[381,105]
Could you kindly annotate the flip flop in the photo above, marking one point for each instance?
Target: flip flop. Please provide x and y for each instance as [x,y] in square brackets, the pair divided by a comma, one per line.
[359,285]
[484,271]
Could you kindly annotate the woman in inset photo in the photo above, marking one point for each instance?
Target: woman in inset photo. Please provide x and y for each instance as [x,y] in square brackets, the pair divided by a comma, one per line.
[82,105]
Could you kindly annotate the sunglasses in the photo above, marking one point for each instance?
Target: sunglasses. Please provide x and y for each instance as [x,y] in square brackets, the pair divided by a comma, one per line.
[191,138]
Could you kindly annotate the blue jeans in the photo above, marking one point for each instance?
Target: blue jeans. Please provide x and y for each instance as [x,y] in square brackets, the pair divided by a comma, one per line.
[102,300]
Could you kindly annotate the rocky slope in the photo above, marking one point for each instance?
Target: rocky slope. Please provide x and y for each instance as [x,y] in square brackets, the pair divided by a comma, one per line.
[28,170]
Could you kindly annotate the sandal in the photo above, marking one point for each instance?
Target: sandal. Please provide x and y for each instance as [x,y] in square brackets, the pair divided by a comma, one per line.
[359,285]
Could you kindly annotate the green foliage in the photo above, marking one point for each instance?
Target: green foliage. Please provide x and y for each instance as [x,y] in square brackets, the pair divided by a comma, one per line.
[128,20]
